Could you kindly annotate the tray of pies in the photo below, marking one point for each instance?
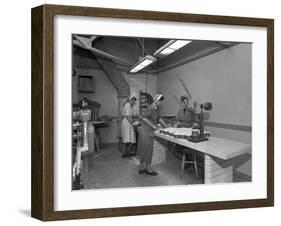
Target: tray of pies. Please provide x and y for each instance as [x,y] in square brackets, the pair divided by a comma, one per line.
[181,133]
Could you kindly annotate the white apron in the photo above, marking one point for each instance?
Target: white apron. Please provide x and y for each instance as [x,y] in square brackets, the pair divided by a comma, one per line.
[128,132]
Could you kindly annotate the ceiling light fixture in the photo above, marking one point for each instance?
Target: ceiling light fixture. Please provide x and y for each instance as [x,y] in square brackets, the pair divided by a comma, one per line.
[170,47]
[144,62]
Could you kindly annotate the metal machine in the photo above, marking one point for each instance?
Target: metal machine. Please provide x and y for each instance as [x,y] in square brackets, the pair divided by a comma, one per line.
[198,134]
[81,132]
[201,135]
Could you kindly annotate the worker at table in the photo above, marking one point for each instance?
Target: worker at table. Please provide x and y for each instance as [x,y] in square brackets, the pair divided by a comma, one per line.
[150,119]
[128,132]
[185,116]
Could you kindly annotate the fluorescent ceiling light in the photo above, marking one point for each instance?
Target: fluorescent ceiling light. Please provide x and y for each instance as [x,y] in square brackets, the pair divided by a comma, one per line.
[170,47]
[179,44]
[166,51]
[144,62]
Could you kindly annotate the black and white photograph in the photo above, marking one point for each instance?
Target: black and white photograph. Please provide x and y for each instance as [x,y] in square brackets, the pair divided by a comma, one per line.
[149,112]
[160,112]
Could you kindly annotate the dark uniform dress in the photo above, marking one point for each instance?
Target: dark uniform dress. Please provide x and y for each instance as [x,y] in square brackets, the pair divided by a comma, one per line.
[185,118]
[145,139]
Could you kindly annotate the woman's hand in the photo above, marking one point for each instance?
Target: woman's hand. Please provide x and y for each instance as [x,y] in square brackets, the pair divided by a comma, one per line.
[154,127]
[162,122]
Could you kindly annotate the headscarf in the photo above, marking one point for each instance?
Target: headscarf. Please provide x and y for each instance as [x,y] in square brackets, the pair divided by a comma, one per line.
[184,97]
[131,98]
[158,97]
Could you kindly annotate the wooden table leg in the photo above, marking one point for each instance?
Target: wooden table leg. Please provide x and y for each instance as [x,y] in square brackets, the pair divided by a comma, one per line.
[96,140]
[97,143]
[195,163]
[85,170]
[217,170]
[182,164]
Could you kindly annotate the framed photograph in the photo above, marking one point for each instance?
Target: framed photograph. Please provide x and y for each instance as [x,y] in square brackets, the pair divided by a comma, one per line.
[141,112]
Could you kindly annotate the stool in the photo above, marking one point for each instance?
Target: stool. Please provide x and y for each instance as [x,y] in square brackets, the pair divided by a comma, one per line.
[193,161]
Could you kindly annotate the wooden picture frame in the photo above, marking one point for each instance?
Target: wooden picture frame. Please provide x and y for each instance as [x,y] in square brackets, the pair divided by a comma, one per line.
[42,203]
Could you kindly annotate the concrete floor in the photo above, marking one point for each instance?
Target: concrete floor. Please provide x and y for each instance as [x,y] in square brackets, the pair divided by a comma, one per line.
[108,170]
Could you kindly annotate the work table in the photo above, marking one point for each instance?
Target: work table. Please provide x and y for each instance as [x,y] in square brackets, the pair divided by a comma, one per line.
[219,155]
[215,146]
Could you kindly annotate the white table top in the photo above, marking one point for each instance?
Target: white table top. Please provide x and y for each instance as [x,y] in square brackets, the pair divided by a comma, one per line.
[215,146]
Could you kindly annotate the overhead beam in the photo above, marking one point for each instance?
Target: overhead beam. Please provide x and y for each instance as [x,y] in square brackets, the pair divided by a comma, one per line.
[142,46]
[85,43]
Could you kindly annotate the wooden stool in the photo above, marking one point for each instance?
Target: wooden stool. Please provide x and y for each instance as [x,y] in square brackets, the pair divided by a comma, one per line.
[193,161]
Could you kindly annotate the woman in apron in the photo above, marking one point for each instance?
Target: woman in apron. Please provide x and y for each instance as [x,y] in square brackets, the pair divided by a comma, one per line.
[150,118]
[128,132]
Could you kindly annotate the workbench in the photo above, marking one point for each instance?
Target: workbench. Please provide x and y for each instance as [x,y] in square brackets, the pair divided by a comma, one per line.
[218,154]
